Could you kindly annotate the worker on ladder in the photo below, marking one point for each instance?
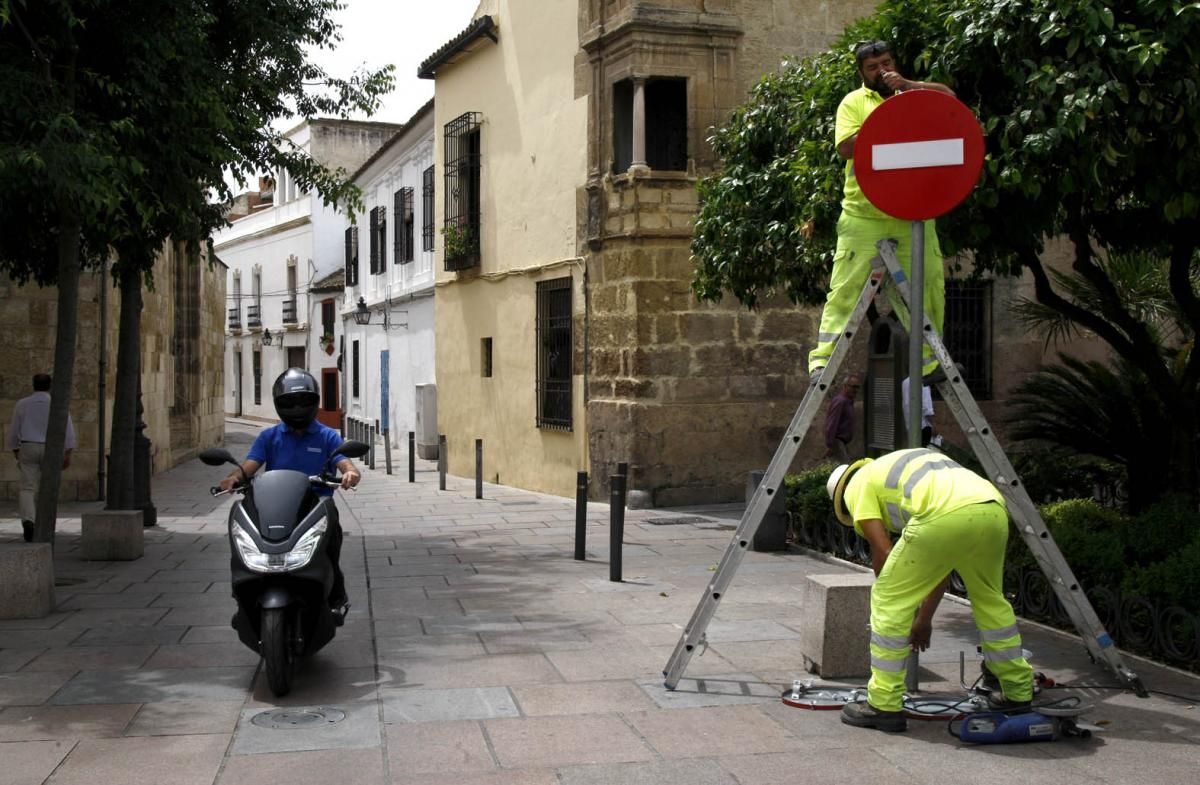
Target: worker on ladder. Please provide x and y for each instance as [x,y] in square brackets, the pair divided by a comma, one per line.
[947,518]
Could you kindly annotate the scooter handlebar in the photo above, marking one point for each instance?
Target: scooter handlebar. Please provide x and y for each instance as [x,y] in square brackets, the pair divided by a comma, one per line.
[318,479]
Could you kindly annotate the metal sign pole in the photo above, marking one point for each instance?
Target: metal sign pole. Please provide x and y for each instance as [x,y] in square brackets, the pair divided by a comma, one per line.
[916,318]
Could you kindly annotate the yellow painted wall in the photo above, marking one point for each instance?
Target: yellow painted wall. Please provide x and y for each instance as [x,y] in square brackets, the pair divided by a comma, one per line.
[533,152]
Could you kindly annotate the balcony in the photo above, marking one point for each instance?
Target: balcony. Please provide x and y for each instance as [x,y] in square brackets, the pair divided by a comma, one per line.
[289,310]
[235,318]
[254,316]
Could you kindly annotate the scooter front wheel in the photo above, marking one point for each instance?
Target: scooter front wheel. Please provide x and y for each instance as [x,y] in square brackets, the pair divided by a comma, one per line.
[277,650]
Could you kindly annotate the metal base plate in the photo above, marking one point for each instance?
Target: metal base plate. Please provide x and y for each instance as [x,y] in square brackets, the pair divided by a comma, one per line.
[298,718]
[804,695]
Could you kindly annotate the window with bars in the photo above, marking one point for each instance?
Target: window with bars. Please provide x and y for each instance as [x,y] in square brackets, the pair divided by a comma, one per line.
[427,210]
[485,357]
[378,230]
[256,359]
[968,333]
[352,256]
[460,229]
[554,347]
[402,209]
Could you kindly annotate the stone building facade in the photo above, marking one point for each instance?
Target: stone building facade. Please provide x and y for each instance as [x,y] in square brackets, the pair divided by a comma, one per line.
[182,328]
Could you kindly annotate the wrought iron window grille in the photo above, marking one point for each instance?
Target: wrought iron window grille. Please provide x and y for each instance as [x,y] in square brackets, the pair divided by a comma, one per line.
[554,354]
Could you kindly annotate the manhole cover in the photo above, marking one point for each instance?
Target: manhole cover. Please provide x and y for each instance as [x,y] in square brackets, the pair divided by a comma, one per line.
[298,718]
[683,520]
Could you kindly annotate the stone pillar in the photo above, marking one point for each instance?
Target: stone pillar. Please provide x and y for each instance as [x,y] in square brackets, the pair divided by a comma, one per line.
[639,124]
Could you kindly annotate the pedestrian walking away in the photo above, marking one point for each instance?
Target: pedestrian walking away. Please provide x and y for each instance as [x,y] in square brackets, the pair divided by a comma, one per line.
[27,440]
[861,224]
[947,518]
[840,420]
[300,443]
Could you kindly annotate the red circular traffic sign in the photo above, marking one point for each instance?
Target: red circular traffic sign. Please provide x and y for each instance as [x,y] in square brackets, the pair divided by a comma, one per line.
[919,154]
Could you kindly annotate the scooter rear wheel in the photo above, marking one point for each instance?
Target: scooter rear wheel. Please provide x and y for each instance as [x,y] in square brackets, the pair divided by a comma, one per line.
[277,650]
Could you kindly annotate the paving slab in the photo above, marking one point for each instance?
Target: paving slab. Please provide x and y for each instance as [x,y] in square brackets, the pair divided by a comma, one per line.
[601,697]
[309,767]
[401,704]
[102,636]
[203,655]
[487,671]
[316,684]
[67,658]
[534,742]
[31,762]
[155,686]
[416,748]
[711,731]
[668,772]
[724,689]
[45,723]
[185,717]
[359,728]
[179,760]
[32,689]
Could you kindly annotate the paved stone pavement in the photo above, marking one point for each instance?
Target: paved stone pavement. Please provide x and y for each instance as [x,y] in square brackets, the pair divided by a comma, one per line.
[479,652]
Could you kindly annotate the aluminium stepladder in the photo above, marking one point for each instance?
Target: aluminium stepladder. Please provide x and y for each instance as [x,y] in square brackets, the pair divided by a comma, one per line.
[987,448]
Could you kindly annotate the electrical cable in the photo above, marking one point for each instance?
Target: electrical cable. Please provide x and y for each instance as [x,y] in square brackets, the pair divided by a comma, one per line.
[1121,688]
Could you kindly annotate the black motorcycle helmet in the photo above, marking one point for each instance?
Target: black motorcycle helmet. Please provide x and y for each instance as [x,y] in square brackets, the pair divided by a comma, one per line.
[296,398]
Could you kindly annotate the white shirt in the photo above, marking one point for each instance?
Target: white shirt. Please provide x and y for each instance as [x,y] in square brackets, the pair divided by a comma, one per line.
[926,402]
[29,420]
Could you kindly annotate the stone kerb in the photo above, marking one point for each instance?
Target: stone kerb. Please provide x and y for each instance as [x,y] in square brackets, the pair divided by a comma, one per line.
[26,580]
[113,535]
[834,630]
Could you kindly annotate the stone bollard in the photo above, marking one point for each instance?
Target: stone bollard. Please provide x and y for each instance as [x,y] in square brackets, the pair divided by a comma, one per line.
[835,625]
[26,580]
[112,535]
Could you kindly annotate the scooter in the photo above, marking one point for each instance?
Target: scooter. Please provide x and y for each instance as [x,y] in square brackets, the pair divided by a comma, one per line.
[281,570]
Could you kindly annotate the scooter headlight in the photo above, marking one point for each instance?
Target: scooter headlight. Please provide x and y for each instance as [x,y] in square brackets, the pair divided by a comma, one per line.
[294,559]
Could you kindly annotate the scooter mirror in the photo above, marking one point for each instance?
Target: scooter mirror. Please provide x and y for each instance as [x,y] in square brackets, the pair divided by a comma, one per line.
[216,457]
[353,449]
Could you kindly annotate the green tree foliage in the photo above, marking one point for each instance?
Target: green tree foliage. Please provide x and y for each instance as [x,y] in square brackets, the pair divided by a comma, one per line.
[121,119]
[1092,121]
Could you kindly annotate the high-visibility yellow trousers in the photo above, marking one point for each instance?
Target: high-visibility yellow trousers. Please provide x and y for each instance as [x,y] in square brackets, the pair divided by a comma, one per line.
[971,541]
[852,266]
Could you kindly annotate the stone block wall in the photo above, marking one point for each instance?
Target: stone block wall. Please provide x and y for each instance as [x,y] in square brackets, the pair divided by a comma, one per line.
[28,320]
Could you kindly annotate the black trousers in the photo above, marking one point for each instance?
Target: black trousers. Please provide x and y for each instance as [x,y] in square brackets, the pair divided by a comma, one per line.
[337,595]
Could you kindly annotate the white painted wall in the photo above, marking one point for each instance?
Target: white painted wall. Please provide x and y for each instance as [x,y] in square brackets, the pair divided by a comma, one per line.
[405,291]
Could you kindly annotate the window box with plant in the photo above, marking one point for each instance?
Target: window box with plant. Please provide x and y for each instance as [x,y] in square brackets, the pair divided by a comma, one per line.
[327,343]
[461,246]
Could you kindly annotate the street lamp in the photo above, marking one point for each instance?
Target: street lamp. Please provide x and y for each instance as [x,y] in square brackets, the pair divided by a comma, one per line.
[266,337]
[362,314]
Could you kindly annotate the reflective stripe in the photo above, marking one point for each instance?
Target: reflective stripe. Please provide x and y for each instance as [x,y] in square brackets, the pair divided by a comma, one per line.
[889,642]
[893,478]
[1001,634]
[1004,655]
[827,337]
[892,666]
[924,469]
[897,516]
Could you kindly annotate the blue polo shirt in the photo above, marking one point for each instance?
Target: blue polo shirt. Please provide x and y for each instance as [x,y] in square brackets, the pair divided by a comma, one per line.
[280,447]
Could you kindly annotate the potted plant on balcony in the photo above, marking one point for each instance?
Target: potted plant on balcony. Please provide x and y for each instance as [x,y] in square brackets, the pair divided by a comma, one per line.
[459,242]
[327,343]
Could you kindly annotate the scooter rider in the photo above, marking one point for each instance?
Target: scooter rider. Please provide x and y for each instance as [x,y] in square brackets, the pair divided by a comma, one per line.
[300,443]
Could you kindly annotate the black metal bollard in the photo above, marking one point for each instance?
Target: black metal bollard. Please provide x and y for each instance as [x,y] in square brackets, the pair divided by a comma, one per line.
[479,468]
[442,461]
[616,526]
[387,449]
[412,456]
[623,469]
[372,428]
[580,516]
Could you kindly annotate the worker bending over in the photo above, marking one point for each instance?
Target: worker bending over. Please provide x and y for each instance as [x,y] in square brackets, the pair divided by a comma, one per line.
[947,518]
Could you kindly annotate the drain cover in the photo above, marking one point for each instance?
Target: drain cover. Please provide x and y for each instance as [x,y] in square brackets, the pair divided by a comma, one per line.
[298,718]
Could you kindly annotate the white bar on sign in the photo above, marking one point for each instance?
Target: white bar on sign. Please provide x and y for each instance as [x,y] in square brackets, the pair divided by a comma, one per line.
[916,155]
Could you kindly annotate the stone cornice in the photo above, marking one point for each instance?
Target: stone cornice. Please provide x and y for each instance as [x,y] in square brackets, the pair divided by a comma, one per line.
[642,19]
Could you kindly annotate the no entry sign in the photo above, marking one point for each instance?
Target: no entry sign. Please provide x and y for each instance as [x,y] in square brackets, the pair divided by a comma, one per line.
[919,155]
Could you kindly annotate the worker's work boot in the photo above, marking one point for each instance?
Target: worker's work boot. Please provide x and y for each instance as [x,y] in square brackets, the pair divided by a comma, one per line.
[864,715]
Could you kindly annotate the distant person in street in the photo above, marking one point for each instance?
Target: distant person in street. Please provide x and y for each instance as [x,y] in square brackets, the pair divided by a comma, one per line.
[27,440]
[302,444]
[839,420]
[947,518]
[862,224]
[926,410]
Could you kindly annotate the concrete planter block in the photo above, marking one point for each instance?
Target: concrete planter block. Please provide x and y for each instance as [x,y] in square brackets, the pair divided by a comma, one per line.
[113,535]
[835,628]
[26,580]
[772,532]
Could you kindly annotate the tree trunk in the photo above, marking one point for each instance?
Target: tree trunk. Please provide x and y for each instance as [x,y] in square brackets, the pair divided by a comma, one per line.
[121,466]
[64,372]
